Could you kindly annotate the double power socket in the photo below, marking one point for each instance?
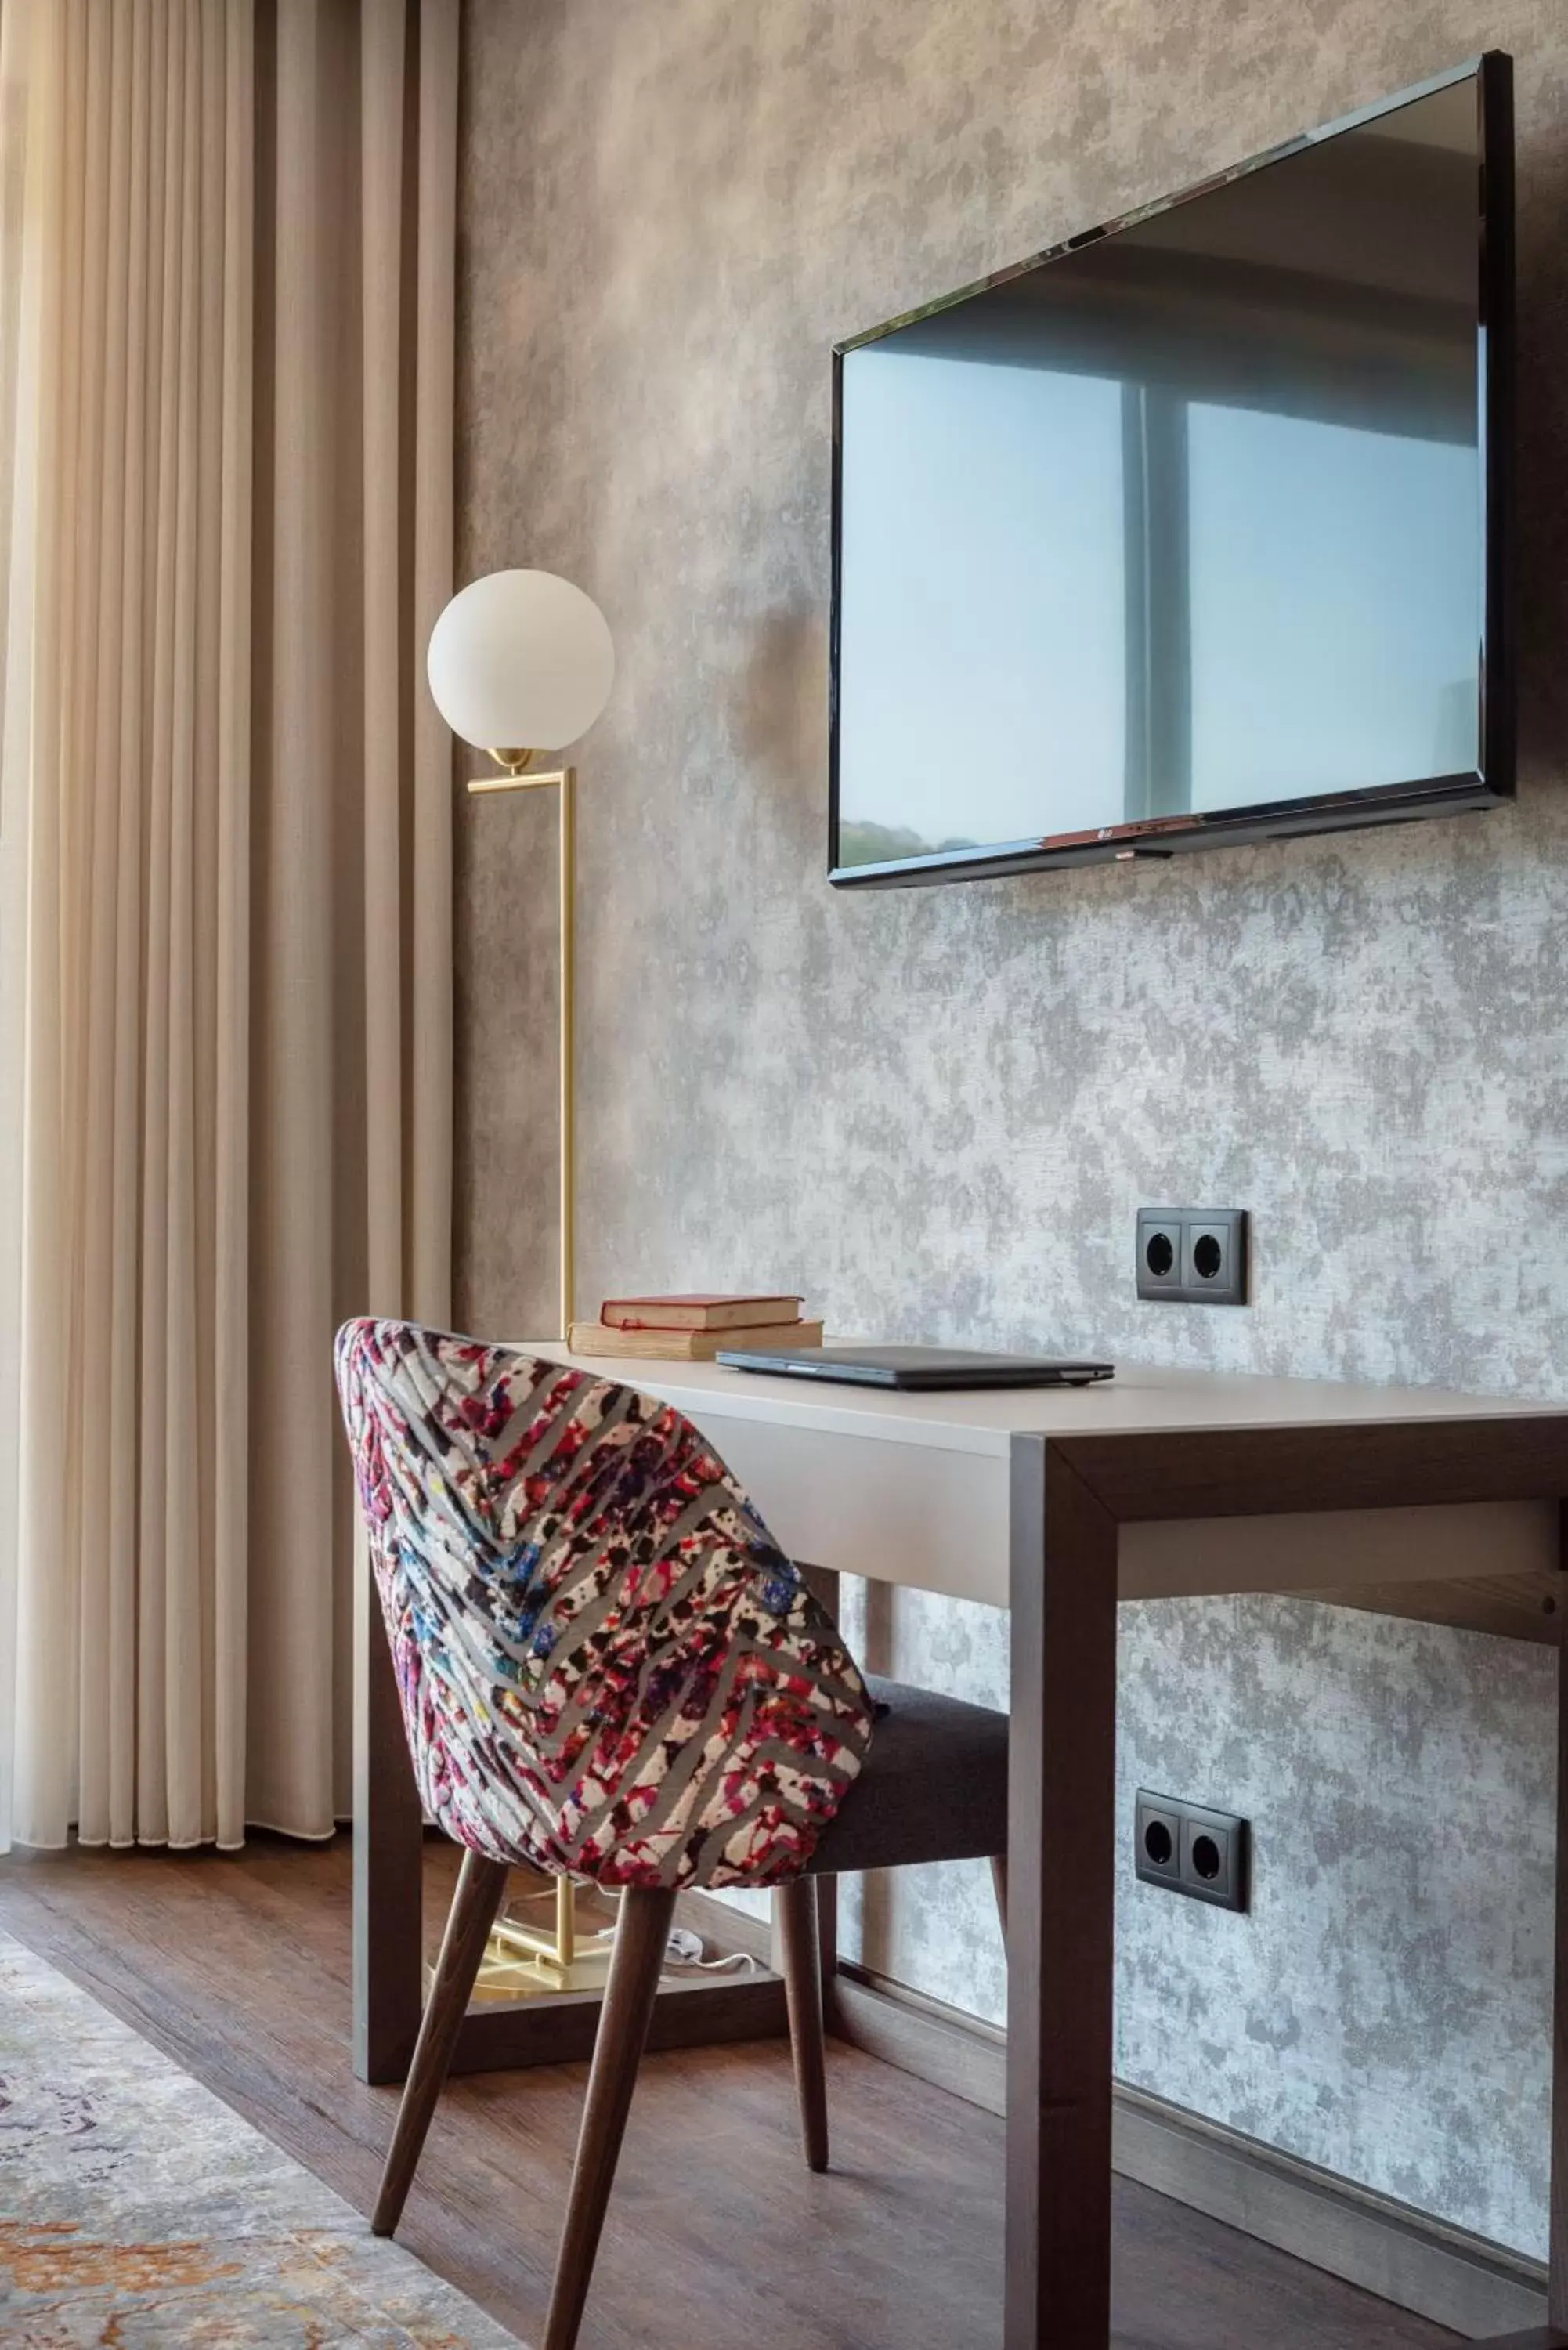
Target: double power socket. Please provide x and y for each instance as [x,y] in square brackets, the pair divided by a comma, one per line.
[1192,1849]
[1192,1256]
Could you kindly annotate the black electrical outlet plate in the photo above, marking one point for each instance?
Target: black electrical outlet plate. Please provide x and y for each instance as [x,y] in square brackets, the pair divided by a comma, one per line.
[1190,1849]
[1192,1256]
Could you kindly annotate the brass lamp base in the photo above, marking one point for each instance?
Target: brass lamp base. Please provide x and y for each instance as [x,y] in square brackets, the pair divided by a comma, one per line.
[506,1976]
[525,1962]
[528,1965]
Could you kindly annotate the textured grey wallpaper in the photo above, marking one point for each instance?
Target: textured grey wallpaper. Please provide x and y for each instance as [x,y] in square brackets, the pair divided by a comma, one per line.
[937,1111]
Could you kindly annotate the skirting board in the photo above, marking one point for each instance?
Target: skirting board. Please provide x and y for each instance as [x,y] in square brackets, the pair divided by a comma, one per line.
[1478,2289]
[1444,2274]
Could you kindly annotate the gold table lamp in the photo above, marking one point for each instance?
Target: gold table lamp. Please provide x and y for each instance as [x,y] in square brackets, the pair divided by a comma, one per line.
[524,657]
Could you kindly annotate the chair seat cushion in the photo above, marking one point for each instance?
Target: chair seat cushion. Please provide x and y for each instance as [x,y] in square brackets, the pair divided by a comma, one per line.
[933,1787]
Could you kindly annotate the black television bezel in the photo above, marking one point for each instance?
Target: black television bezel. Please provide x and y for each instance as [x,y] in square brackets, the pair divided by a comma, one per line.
[1492,783]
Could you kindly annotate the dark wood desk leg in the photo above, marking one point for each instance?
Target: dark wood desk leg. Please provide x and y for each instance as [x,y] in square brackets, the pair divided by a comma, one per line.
[1060,1927]
[823,1582]
[388,1856]
[1557,2283]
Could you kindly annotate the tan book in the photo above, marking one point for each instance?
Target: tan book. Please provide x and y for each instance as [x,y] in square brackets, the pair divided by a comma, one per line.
[705,1310]
[686,1346]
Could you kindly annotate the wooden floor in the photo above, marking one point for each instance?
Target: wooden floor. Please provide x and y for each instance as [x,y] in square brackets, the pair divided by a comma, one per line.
[718,2238]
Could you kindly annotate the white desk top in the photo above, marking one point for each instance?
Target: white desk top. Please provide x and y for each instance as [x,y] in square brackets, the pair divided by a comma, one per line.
[916,1489]
[1139,1400]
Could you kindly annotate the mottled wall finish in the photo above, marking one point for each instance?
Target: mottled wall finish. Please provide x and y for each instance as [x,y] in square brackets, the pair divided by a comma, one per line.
[937,1111]
[1385,2008]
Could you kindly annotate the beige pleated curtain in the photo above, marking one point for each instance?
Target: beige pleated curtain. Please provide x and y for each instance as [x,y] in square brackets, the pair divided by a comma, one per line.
[225,1117]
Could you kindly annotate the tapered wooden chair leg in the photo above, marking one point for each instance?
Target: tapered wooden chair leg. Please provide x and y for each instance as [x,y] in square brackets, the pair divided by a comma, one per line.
[999,1883]
[641,1939]
[481,1887]
[800,1946]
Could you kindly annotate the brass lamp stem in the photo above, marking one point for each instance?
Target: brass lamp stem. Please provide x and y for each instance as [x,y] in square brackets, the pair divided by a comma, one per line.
[567,827]
[514,778]
[556,1962]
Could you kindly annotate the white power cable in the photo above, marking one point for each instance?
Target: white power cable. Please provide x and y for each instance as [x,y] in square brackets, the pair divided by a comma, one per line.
[685,1948]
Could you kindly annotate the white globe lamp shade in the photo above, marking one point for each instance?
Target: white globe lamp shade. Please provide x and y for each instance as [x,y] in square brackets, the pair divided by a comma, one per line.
[520,660]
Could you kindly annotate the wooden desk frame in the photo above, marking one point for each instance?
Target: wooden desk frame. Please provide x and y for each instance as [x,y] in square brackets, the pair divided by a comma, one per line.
[1070,1495]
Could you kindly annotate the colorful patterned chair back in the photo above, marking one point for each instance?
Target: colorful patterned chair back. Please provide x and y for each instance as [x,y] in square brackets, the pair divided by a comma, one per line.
[608,1668]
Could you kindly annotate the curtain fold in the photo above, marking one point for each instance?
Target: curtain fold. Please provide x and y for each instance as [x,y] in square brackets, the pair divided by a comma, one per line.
[226,248]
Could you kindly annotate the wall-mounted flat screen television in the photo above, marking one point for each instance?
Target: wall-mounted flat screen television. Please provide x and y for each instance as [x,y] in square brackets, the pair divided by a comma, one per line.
[1194,529]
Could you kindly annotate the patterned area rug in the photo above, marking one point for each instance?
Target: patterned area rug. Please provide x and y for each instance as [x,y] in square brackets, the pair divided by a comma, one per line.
[138,2212]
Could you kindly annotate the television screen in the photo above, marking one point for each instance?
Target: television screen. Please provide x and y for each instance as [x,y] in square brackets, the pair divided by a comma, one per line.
[1192,529]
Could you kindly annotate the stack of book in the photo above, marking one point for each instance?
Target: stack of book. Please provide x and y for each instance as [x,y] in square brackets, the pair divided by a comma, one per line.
[692,1329]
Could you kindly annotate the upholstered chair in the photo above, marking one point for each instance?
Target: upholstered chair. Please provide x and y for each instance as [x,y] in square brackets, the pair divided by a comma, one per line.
[609,1671]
